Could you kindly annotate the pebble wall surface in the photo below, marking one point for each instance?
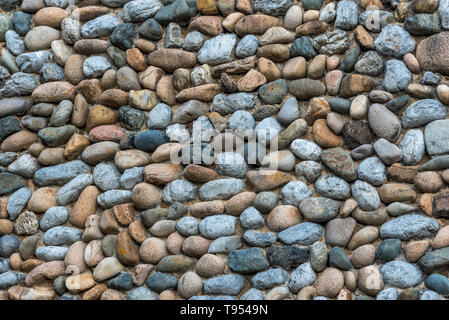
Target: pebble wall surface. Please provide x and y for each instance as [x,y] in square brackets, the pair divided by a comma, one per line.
[111,187]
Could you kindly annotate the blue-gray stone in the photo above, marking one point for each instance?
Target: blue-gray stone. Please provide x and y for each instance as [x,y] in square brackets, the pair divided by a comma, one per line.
[106,176]
[22,22]
[8,126]
[438,283]
[247,260]
[53,217]
[51,253]
[422,112]
[273,92]
[388,249]
[229,284]
[394,41]
[179,191]
[400,274]
[241,120]
[141,293]
[429,295]
[397,76]
[217,50]
[8,245]
[225,244]
[51,72]
[112,198]
[8,279]
[273,7]
[409,226]
[328,13]
[289,111]
[347,15]
[430,78]
[20,84]
[436,135]
[303,47]
[319,209]
[187,226]
[95,66]
[349,60]
[231,164]
[32,62]
[10,182]
[422,24]
[304,233]
[294,192]
[4,265]
[124,36]
[151,29]
[434,260]
[193,41]
[270,278]
[372,170]
[220,189]
[333,187]
[130,177]
[123,282]
[306,149]
[99,27]
[339,259]
[252,294]
[375,20]
[412,147]
[216,226]
[247,46]
[225,104]
[61,235]
[267,129]
[159,281]
[251,218]
[131,118]
[366,196]
[179,11]
[14,42]
[388,294]
[259,239]
[149,140]
[71,191]
[17,202]
[301,277]
[60,174]
[312,4]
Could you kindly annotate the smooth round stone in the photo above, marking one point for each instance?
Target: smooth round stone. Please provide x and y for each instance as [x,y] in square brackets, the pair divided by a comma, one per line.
[247,46]
[95,66]
[333,187]
[339,259]
[388,294]
[372,170]
[366,196]
[251,218]
[61,235]
[412,147]
[422,112]
[438,283]
[53,217]
[241,120]
[398,208]
[231,164]
[267,129]
[124,36]
[51,253]
[311,170]
[339,231]
[294,192]
[106,176]
[301,277]
[8,245]
[187,226]
[394,41]
[149,140]
[400,274]
[409,226]
[319,209]
[273,92]
[429,295]
[179,191]
[141,293]
[193,41]
[383,122]
[220,189]
[217,226]
[289,111]
[304,233]
[225,244]
[388,249]
[388,152]
[159,281]
[17,202]
[306,149]
[265,201]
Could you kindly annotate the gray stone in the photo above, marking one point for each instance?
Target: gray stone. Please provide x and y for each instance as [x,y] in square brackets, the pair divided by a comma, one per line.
[306,149]
[289,111]
[397,76]
[294,192]
[107,177]
[217,50]
[304,233]
[61,115]
[394,41]
[187,226]
[60,174]
[412,147]
[273,7]
[270,278]
[173,36]
[372,170]
[327,14]
[177,132]
[267,129]
[61,235]
[8,245]
[259,239]
[95,66]
[225,244]
[339,231]
[388,152]
[318,256]
[247,261]
[141,293]
[339,259]
[371,63]
[216,226]
[319,209]
[375,20]
[225,104]
[10,182]
[17,202]
[383,122]
[311,170]
[51,72]
[301,277]
[265,201]
[56,136]
[193,41]
[53,217]
[429,294]
[220,189]
[252,294]
[32,62]
[398,208]
[333,42]
[443,11]
[366,196]
[14,42]
[347,15]
[71,191]
[434,260]
[251,218]
[180,191]
[400,274]
[241,120]
[8,279]
[130,177]
[25,166]
[231,164]
[100,27]
[140,10]
[70,30]
[112,198]
[247,46]
[230,284]
[159,117]
[51,253]
[333,187]
[409,226]
[388,294]
[436,136]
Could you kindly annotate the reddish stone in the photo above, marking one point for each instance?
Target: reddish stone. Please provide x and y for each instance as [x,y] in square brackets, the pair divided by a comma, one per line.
[108,132]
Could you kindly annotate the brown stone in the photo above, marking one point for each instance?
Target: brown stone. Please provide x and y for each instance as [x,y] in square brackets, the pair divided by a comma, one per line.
[209,265]
[50,16]
[136,59]
[73,69]
[80,111]
[370,280]
[51,156]
[127,250]
[145,45]
[166,91]
[114,98]
[172,59]
[400,173]
[275,52]
[91,46]
[55,91]
[441,204]
[231,20]
[312,28]
[161,173]
[108,80]
[140,273]
[100,115]
[294,68]
[329,282]
[269,69]
[90,89]
[75,146]
[208,25]
[137,231]
[85,206]
[428,181]
[251,81]
[49,270]
[432,53]
[18,141]
[195,246]
[43,199]
[207,208]
[235,67]
[174,243]
[255,24]
[414,250]
[124,213]
[153,250]
[163,152]
[150,77]
[90,12]
[323,136]
[145,196]
[264,180]
[6,227]
[425,203]
[392,192]
[205,93]
[317,108]
[236,204]
[354,84]
[108,222]
[283,217]
[364,38]
[197,173]
[95,292]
